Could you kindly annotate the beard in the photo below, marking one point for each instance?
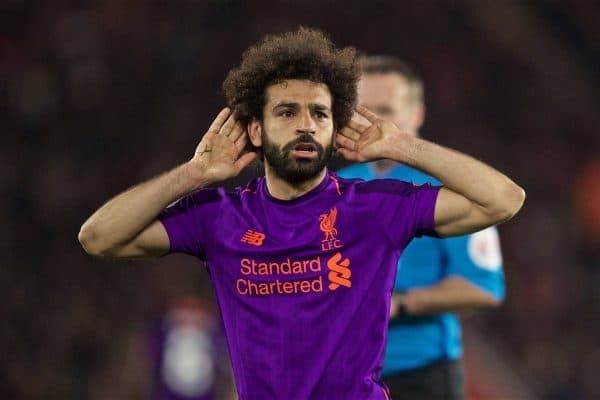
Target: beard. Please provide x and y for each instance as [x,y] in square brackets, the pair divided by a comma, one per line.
[291,169]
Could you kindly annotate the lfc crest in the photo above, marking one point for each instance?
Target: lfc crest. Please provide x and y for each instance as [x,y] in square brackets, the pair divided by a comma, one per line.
[327,225]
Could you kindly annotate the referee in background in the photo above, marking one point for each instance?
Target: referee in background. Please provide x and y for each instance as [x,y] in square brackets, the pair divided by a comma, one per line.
[435,277]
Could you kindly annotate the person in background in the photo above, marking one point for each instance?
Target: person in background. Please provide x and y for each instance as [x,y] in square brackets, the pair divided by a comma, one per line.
[435,277]
[188,354]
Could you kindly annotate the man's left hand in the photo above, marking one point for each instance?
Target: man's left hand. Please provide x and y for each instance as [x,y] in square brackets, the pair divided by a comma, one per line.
[361,143]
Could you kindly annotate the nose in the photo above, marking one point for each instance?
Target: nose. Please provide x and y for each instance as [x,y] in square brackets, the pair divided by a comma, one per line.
[306,124]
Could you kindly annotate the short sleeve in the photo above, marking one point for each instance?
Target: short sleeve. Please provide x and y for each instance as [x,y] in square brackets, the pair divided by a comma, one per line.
[423,199]
[408,210]
[478,259]
[188,222]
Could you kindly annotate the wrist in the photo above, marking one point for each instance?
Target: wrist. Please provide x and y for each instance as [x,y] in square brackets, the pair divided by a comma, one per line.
[191,178]
[413,302]
[402,149]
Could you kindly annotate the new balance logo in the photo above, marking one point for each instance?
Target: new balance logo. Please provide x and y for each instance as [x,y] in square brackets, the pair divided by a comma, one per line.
[339,273]
[254,238]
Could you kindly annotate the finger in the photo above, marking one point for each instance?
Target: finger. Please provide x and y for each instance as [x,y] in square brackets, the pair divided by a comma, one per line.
[349,133]
[356,117]
[219,121]
[346,142]
[368,114]
[236,132]
[357,126]
[241,143]
[244,160]
[228,126]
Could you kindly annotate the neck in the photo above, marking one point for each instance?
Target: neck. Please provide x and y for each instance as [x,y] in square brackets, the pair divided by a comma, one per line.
[284,190]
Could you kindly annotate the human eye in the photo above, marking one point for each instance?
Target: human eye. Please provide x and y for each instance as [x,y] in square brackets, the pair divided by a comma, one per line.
[286,113]
[321,115]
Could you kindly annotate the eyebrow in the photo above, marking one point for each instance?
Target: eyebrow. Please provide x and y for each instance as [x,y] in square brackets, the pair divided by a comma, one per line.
[286,105]
[312,106]
[319,107]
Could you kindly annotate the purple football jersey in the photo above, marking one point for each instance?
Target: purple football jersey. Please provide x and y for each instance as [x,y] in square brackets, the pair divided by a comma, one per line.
[304,285]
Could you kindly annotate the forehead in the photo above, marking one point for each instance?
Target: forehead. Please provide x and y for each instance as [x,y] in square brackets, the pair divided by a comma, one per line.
[298,91]
[379,88]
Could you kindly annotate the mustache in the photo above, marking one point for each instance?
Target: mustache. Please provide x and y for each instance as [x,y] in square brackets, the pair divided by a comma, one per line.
[303,138]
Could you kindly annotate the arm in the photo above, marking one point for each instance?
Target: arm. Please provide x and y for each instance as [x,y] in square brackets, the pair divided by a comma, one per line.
[474,196]
[451,294]
[127,225]
[473,277]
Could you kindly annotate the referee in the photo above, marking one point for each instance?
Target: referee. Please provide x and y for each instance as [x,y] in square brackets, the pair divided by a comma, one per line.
[435,277]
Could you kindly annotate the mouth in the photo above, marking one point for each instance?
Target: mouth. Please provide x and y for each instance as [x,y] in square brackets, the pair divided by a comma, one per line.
[305,150]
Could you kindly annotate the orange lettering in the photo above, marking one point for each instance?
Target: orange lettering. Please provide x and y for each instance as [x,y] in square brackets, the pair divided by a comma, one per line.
[288,288]
[237,284]
[305,286]
[317,285]
[246,269]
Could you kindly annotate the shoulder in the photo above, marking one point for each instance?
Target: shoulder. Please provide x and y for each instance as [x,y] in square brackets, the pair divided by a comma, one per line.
[214,195]
[194,201]
[381,186]
[419,177]
[391,186]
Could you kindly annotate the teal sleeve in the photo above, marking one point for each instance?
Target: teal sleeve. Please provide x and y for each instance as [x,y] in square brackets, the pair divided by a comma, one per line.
[478,259]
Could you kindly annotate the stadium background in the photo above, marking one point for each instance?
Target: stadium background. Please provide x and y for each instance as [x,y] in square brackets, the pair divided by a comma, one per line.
[98,95]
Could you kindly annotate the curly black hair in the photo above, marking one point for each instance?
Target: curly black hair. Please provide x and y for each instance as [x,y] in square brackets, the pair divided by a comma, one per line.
[303,54]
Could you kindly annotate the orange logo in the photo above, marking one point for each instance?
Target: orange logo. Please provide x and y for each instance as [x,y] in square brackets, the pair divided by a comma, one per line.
[254,238]
[327,225]
[339,274]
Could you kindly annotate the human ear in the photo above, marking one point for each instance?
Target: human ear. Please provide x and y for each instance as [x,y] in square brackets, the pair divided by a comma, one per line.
[255,132]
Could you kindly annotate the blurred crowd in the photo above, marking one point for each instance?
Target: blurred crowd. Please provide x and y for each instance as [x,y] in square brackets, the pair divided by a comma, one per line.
[96,96]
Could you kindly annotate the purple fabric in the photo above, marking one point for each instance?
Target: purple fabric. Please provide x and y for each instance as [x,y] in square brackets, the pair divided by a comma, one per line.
[304,286]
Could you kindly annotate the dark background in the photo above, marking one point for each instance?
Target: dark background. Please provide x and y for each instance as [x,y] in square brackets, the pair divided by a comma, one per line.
[96,96]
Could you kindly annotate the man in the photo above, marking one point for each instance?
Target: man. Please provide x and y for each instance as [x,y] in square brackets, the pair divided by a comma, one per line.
[435,277]
[302,262]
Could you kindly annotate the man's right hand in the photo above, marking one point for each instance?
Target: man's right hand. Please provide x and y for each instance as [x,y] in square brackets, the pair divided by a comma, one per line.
[217,156]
